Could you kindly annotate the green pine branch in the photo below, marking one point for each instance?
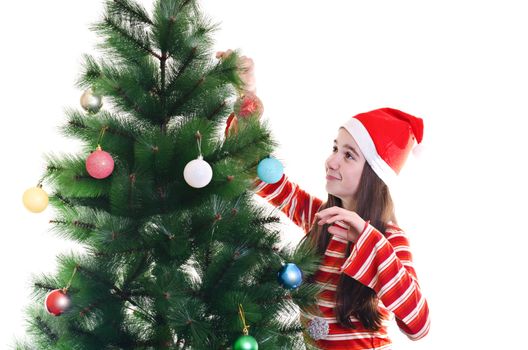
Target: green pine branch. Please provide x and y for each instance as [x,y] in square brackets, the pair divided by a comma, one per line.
[136,14]
[46,330]
[68,172]
[123,37]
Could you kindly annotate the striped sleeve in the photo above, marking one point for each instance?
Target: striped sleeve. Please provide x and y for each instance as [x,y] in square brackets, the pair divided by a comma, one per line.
[298,205]
[385,265]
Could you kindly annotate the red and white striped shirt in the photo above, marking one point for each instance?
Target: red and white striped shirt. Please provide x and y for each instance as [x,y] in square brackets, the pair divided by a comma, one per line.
[382,262]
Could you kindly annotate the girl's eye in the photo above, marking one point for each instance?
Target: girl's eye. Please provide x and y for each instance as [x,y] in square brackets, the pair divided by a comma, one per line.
[348,154]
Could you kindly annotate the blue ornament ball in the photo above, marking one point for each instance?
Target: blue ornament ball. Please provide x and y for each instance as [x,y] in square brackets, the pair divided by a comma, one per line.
[290,276]
[270,170]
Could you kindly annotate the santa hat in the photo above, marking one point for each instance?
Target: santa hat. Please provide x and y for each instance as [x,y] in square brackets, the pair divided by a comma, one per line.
[385,137]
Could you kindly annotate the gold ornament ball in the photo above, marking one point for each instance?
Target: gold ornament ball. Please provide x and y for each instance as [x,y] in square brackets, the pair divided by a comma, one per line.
[91,102]
[35,199]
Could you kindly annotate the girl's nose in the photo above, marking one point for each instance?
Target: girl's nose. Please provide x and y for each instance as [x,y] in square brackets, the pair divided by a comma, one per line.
[332,162]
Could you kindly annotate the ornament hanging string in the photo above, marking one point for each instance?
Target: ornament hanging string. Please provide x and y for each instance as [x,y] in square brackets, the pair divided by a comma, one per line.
[101,134]
[65,289]
[243,318]
[199,141]
[39,184]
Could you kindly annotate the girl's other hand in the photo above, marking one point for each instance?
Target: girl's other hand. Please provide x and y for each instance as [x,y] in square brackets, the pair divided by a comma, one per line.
[353,223]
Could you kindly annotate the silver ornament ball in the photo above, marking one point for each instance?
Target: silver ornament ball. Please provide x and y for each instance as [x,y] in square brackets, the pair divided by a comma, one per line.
[91,102]
[318,328]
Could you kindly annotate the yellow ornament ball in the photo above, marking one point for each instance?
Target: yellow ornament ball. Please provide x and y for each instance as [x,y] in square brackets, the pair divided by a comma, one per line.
[35,199]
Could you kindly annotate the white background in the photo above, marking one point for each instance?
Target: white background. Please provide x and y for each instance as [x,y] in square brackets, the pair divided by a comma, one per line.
[460,65]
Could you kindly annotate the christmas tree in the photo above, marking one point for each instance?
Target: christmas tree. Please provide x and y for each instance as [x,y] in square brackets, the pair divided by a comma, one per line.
[177,255]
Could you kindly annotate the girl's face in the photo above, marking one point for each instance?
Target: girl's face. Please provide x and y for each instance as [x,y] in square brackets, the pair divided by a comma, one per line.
[344,168]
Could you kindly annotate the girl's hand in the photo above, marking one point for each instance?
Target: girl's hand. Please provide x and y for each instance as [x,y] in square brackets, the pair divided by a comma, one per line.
[346,218]
[246,69]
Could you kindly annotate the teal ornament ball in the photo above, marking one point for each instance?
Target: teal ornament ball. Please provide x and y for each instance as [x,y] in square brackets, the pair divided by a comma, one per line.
[246,342]
[290,276]
[270,170]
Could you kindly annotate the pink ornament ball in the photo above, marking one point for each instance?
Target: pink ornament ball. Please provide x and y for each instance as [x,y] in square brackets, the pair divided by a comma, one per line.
[57,302]
[100,164]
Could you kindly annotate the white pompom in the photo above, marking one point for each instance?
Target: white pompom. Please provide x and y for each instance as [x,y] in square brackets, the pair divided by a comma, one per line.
[418,150]
[198,173]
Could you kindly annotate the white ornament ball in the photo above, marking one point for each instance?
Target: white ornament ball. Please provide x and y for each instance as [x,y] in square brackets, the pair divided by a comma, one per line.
[198,173]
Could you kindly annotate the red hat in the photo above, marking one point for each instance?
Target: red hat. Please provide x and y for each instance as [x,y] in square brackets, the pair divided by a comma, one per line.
[385,137]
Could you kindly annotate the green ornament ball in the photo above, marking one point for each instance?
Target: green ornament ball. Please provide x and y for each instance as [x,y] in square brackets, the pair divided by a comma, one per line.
[246,342]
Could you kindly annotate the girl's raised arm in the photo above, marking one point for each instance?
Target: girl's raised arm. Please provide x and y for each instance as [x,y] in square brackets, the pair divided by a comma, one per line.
[298,205]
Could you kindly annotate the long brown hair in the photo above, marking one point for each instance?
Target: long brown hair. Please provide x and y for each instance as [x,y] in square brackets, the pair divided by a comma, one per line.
[374,203]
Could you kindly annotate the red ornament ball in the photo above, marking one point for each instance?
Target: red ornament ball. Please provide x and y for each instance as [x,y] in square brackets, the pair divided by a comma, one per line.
[99,164]
[249,105]
[57,302]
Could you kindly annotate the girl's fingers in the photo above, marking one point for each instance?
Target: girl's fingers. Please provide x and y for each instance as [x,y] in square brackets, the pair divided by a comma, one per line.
[339,232]
[330,211]
[333,209]
[349,220]
[335,218]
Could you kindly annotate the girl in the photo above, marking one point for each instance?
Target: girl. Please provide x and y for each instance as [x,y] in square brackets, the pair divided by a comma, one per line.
[366,268]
